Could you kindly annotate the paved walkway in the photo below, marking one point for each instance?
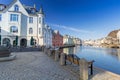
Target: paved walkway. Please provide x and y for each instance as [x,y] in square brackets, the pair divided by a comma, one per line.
[38,66]
[34,66]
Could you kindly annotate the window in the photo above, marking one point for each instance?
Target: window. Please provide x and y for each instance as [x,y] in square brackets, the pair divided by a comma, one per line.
[39,30]
[13,17]
[1,7]
[0,17]
[30,19]
[33,11]
[13,29]
[39,20]
[16,8]
[30,31]
[0,29]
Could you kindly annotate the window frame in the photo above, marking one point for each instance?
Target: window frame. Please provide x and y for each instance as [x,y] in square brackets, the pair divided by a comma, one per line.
[30,19]
[14,17]
[0,17]
[16,8]
[40,20]
[30,30]
[13,29]
[39,30]
[0,29]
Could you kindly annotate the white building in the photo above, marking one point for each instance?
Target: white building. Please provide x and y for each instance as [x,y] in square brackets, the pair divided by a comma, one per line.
[23,25]
[118,36]
[68,40]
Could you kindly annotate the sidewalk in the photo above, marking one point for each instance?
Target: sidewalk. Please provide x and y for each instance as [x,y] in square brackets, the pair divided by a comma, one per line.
[38,66]
[34,66]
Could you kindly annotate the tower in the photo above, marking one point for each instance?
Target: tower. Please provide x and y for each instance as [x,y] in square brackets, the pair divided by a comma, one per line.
[41,26]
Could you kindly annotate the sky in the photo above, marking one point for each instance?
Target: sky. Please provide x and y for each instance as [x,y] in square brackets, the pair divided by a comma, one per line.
[85,19]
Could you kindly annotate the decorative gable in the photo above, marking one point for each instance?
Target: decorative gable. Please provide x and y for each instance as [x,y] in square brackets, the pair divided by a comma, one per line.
[17,5]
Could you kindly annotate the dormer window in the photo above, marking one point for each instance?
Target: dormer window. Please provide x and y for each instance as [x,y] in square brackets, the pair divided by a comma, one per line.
[16,8]
[2,7]
[33,10]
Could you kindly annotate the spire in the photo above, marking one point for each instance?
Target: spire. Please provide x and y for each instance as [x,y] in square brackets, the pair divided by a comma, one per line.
[35,6]
[41,10]
[16,0]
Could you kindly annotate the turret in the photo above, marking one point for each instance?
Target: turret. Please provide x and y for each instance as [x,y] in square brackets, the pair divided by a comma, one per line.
[41,11]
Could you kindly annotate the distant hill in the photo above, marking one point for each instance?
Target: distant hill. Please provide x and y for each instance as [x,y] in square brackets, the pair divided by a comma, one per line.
[113,34]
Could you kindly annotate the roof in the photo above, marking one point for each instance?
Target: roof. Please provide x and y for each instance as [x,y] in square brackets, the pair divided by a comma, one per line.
[31,10]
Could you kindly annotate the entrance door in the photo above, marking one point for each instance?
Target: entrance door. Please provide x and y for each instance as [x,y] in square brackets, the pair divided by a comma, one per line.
[23,42]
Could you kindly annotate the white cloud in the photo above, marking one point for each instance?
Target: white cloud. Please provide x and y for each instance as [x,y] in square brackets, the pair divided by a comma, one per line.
[71,28]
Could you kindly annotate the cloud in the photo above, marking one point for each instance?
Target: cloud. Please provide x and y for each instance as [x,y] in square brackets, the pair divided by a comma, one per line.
[71,28]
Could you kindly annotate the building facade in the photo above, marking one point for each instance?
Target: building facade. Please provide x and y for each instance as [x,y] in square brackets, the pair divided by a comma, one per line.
[22,25]
[68,40]
[118,37]
[57,39]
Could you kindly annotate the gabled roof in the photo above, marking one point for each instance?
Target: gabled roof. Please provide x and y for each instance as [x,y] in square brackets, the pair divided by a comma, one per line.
[10,5]
[30,10]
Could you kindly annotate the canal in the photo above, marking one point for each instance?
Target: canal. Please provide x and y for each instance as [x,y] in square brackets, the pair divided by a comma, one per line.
[105,58]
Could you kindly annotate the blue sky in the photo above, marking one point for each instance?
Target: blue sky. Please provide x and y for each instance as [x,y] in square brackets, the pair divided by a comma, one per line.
[86,19]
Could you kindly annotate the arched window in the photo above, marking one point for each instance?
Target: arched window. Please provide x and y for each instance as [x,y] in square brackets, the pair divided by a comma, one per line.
[14,29]
[30,31]
[16,8]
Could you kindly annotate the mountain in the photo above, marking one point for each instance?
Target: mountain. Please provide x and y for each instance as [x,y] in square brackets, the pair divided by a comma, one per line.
[113,34]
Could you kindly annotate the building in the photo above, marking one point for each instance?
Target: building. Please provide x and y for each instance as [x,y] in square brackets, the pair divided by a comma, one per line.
[22,25]
[77,41]
[118,37]
[57,39]
[68,40]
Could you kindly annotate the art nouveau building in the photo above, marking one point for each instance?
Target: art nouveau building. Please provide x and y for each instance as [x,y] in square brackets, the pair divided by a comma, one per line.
[23,25]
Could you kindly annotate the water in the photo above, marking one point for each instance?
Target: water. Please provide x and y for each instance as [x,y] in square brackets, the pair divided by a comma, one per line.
[108,59]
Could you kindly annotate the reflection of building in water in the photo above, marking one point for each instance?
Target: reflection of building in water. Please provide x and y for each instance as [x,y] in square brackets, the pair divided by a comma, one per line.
[76,49]
[68,50]
[118,52]
[114,52]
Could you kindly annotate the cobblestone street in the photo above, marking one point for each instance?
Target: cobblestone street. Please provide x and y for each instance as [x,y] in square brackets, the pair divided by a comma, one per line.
[34,66]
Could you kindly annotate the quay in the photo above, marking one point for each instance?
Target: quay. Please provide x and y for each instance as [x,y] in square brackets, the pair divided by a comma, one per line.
[39,66]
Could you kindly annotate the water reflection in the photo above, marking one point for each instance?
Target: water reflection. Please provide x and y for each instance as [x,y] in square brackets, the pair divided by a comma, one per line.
[118,53]
[105,58]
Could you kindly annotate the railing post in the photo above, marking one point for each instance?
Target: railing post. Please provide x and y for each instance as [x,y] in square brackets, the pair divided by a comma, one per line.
[83,69]
[56,55]
[62,59]
[44,49]
[49,52]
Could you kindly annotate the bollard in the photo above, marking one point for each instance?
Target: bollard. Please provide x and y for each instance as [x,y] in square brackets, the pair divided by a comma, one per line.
[83,69]
[45,50]
[49,52]
[56,55]
[42,48]
[62,59]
